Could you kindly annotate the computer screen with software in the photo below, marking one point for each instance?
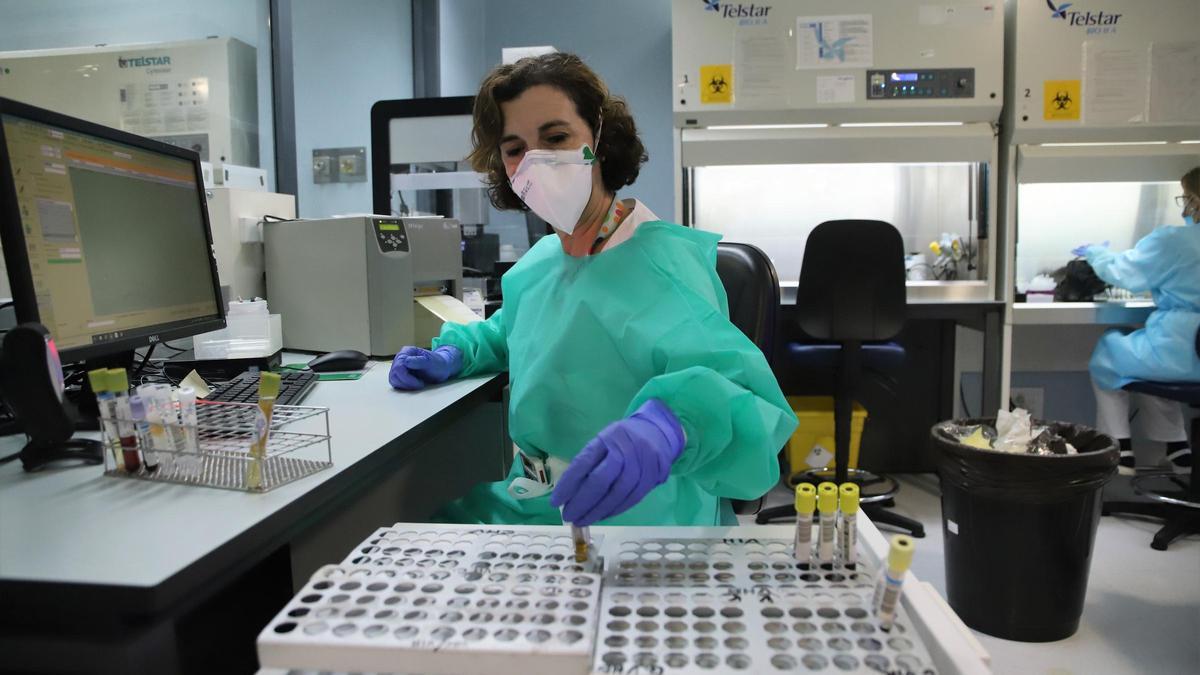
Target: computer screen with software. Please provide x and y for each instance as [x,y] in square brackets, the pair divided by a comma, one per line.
[106,234]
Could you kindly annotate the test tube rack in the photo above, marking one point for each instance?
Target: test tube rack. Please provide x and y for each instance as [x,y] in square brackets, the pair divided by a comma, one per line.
[688,606]
[298,446]
[452,601]
[462,599]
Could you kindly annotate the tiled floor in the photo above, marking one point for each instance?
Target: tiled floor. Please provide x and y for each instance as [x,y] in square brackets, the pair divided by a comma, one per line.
[1142,613]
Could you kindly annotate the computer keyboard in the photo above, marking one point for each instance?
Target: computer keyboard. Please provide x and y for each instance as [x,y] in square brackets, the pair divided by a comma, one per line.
[294,385]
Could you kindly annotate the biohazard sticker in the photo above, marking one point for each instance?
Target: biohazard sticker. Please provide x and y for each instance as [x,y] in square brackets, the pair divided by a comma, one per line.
[1061,100]
[716,83]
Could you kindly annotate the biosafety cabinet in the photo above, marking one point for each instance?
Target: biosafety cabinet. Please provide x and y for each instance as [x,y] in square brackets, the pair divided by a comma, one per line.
[1104,120]
[791,113]
[198,94]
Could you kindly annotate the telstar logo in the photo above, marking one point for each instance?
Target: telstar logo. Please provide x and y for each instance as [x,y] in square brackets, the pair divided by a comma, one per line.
[143,61]
[1059,12]
[736,10]
[1085,19]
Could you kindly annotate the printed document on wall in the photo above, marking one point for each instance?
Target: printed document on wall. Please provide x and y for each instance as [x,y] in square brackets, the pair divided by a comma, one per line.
[760,61]
[1175,82]
[834,42]
[1114,84]
[835,89]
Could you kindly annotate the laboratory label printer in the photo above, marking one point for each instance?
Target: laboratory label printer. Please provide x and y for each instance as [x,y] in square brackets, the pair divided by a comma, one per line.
[370,283]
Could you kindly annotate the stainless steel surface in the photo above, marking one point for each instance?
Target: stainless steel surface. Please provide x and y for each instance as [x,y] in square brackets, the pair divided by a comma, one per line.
[918,292]
[1113,313]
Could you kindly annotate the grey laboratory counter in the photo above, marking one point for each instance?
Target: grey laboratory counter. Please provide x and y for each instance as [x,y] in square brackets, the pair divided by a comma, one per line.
[103,574]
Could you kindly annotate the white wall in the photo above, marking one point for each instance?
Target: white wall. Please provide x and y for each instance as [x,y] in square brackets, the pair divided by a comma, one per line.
[346,56]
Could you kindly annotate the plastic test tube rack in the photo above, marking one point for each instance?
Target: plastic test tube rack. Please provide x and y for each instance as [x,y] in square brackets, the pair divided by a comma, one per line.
[743,605]
[453,601]
[464,599]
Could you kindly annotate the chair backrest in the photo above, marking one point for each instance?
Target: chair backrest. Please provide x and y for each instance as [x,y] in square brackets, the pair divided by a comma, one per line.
[753,289]
[852,282]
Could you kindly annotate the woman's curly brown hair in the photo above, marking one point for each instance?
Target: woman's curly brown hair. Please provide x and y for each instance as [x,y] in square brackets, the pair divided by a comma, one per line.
[619,150]
[1191,182]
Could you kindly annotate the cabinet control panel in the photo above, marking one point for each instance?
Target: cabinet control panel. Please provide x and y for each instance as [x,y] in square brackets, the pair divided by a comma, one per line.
[921,83]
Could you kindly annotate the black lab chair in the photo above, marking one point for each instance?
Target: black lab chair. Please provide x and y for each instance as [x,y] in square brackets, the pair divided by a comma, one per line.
[753,289]
[851,301]
[1176,498]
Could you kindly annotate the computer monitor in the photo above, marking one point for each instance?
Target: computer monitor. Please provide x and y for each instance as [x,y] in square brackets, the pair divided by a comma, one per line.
[106,234]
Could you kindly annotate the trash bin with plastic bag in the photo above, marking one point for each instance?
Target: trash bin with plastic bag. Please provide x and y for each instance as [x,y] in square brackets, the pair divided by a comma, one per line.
[1019,526]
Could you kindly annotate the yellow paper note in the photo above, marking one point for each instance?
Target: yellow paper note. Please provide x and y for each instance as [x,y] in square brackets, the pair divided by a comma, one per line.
[1061,100]
[448,308]
[197,383]
[716,83]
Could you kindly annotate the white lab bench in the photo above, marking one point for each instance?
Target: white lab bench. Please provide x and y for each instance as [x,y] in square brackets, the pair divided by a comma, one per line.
[1107,313]
[82,553]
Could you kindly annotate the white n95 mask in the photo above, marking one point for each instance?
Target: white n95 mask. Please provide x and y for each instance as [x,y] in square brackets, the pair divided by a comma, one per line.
[555,184]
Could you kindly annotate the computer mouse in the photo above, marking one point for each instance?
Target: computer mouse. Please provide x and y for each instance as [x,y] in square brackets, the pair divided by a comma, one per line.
[345,359]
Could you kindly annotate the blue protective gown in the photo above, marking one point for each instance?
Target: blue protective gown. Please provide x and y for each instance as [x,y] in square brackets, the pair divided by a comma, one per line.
[1167,263]
[588,340]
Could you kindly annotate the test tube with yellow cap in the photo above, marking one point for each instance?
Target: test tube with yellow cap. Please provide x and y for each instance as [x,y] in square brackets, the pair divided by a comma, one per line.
[848,527]
[887,591]
[827,505]
[806,502]
[107,403]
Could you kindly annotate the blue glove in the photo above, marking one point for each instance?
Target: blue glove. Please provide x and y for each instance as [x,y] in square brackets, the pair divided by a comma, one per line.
[1081,251]
[618,467]
[413,367]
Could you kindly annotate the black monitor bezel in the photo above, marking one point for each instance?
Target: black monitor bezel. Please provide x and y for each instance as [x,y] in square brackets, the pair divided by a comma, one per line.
[16,254]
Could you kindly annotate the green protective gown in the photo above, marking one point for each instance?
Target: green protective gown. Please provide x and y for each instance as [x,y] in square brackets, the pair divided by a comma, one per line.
[588,340]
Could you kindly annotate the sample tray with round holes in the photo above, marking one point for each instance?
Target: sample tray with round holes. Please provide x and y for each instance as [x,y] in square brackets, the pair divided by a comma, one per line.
[508,600]
[771,630]
[547,549]
[722,562]
[433,620]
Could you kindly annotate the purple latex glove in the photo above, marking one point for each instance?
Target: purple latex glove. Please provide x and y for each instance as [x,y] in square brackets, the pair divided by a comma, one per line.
[618,467]
[413,367]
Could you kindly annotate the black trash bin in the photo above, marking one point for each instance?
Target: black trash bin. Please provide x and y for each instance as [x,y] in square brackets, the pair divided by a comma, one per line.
[1019,530]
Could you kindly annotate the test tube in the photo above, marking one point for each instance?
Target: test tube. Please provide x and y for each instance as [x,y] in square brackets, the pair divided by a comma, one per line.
[187,416]
[107,403]
[155,406]
[887,591]
[137,412]
[827,499]
[582,537]
[848,494]
[118,384]
[806,501]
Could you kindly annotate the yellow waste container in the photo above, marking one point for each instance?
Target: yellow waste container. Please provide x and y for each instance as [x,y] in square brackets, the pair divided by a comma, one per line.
[811,445]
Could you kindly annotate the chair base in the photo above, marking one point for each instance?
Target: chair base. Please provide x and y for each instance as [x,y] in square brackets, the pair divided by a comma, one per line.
[1180,520]
[876,512]
[864,480]
[881,516]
